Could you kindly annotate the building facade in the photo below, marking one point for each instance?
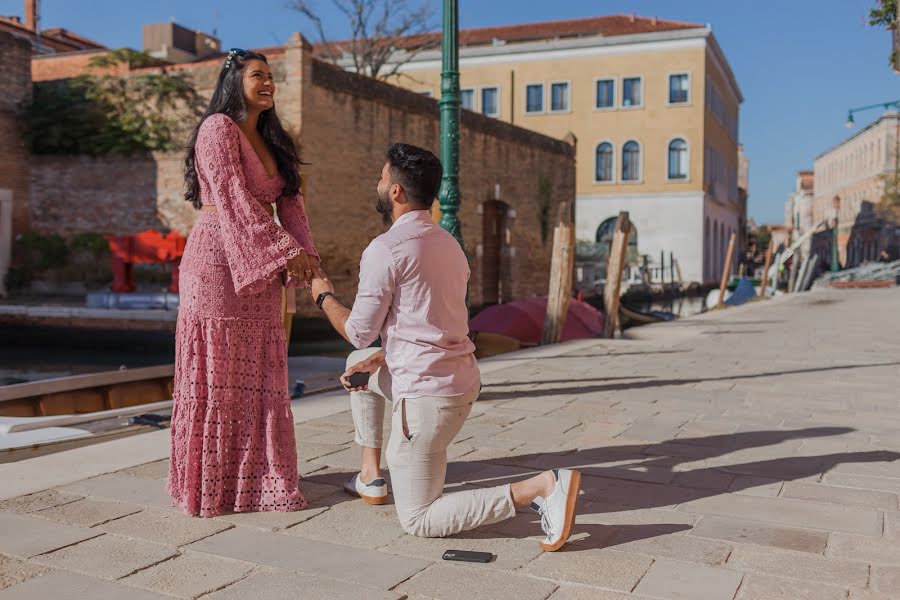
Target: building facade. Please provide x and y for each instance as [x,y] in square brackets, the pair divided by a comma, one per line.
[654,107]
[859,171]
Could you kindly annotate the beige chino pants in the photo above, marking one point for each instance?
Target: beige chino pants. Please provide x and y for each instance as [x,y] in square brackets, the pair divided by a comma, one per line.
[421,430]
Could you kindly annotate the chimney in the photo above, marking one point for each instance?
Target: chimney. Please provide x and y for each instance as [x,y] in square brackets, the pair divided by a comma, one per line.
[653,21]
[31,14]
[632,17]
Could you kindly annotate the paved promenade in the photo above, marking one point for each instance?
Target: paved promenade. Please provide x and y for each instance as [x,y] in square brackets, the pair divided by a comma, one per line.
[746,454]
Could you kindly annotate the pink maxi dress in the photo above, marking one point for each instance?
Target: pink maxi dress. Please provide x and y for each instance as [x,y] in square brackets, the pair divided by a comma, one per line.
[232,445]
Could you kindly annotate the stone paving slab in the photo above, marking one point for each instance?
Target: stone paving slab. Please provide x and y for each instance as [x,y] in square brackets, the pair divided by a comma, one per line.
[124,488]
[674,580]
[190,574]
[87,513]
[762,534]
[798,565]
[71,586]
[37,501]
[311,557]
[756,587]
[107,556]
[28,536]
[13,571]
[783,511]
[163,527]
[601,568]
[840,495]
[280,585]
[452,582]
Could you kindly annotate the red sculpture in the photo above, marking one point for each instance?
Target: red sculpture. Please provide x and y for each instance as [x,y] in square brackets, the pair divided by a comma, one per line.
[146,247]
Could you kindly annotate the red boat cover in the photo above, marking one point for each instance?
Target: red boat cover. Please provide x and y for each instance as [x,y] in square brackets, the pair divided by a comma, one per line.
[524,320]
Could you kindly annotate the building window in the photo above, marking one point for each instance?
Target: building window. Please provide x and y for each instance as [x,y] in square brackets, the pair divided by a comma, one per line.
[678,159]
[678,89]
[534,98]
[559,97]
[631,91]
[606,93]
[426,93]
[490,104]
[467,99]
[631,161]
[604,162]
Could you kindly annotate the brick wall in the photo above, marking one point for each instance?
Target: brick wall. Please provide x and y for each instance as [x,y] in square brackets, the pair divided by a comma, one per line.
[80,194]
[348,123]
[345,123]
[15,88]
[50,67]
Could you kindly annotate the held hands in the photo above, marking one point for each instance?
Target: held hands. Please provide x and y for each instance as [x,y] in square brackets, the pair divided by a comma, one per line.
[370,365]
[304,267]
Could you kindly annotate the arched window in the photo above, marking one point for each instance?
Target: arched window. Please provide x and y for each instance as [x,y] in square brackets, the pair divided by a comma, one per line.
[605,235]
[604,162]
[678,159]
[631,161]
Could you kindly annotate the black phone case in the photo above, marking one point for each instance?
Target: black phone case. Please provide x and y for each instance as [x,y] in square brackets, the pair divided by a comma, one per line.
[468,556]
[359,379]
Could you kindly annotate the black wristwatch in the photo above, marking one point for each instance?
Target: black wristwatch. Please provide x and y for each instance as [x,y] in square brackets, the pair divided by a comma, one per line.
[322,297]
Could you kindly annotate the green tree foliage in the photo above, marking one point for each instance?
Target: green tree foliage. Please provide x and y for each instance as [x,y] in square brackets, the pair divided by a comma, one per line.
[103,112]
[885,15]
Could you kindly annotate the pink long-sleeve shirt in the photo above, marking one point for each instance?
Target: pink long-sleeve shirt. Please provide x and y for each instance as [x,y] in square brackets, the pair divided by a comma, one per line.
[412,292]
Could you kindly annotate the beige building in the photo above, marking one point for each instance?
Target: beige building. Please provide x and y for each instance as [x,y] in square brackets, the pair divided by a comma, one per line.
[856,171]
[653,105]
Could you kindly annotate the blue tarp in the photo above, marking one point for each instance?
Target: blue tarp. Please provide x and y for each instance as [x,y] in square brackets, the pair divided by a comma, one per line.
[743,292]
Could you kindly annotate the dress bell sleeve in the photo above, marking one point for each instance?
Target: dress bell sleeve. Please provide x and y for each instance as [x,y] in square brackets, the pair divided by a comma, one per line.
[256,248]
[292,215]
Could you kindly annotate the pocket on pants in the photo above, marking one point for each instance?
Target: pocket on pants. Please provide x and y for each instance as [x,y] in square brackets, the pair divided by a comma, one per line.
[404,421]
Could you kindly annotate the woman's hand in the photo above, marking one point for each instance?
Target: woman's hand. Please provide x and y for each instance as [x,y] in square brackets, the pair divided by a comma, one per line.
[316,265]
[300,267]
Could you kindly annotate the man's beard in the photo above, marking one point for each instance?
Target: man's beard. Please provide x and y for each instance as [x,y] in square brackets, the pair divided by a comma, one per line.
[383,206]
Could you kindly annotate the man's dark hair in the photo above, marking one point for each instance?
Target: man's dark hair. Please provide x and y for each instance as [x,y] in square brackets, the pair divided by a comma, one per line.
[417,170]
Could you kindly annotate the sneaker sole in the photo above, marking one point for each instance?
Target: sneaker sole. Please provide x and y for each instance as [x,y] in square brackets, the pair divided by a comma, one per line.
[374,500]
[571,501]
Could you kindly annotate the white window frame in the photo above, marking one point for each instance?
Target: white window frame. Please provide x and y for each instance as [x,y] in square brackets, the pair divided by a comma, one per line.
[615,174]
[622,92]
[474,98]
[543,110]
[686,179]
[568,84]
[690,80]
[481,98]
[616,88]
[640,178]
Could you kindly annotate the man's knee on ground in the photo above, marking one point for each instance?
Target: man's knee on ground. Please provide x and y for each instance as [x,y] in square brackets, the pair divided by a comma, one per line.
[417,525]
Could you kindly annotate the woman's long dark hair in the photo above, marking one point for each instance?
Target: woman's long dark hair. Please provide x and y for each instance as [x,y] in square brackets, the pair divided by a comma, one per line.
[228,99]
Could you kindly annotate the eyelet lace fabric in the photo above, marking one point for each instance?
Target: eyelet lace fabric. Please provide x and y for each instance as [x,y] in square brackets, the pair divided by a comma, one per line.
[232,444]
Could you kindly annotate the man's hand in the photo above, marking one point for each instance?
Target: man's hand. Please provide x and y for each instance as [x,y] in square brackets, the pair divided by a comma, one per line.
[320,285]
[370,365]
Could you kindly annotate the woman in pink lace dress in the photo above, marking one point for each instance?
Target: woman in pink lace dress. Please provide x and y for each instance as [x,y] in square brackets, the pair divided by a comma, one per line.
[232,447]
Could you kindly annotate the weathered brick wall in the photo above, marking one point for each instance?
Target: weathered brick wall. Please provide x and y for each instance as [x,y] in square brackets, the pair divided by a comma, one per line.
[50,67]
[348,123]
[81,194]
[15,88]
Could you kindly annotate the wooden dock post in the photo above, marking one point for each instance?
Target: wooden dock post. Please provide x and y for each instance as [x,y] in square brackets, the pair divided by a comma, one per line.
[562,267]
[614,268]
[678,270]
[792,273]
[765,278]
[726,270]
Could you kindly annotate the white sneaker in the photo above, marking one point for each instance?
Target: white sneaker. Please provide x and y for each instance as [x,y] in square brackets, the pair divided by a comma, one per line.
[374,492]
[558,509]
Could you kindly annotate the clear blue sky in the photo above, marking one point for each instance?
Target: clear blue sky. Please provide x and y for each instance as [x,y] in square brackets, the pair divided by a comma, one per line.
[800,63]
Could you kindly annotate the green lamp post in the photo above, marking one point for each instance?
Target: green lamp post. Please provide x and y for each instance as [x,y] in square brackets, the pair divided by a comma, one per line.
[835,262]
[448,197]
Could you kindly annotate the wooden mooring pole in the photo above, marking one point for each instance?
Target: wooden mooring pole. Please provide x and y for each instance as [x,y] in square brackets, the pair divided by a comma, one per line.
[562,267]
[765,277]
[726,270]
[614,268]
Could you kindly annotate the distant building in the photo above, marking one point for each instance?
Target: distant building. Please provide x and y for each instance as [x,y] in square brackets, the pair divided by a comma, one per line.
[858,171]
[798,210]
[653,104]
[176,44]
[45,41]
